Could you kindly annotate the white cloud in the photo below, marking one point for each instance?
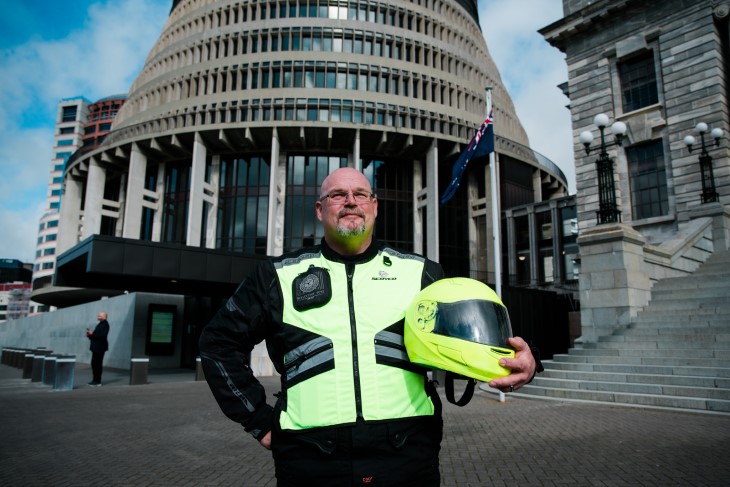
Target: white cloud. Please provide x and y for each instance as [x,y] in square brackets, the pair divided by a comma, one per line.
[100,58]
[531,70]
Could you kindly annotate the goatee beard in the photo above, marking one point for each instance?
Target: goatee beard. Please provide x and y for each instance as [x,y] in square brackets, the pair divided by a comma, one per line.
[349,232]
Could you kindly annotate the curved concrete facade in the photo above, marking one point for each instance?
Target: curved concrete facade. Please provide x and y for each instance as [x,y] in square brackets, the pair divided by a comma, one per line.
[243,107]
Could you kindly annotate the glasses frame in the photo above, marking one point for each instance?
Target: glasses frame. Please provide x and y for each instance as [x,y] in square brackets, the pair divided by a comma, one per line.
[371,196]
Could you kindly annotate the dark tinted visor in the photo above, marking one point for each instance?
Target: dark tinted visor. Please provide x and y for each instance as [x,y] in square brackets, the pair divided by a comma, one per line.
[475,320]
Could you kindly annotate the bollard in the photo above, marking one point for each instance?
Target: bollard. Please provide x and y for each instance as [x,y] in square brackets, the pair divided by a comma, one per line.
[18,355]
[138,371]
[28,365]
[199,375]
[37,372]
[49,369]
[65,372]
[4,356]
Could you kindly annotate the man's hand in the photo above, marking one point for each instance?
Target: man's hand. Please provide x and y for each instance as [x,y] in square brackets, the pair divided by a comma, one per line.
[266,440]
[522,367]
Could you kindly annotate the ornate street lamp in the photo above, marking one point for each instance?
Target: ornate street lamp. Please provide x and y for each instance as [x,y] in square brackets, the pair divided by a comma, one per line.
[708,178]
[608,211]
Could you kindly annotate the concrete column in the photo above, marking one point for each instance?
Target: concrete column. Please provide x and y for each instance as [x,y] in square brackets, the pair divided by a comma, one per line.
[277,197]
[70,219]
[160,190]
[614,285]
[95,180]
[355,157]
[135,186]
[212,200]
[197,187]
[432,202]
[417,207]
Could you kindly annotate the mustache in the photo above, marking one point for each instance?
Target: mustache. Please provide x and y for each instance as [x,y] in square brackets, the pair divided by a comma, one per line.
[353,211]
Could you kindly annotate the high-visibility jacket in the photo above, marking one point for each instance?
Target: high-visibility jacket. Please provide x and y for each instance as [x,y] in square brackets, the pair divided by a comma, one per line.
[341,359]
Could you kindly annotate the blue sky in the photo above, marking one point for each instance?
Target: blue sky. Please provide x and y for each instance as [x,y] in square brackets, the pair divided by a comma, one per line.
[50,50]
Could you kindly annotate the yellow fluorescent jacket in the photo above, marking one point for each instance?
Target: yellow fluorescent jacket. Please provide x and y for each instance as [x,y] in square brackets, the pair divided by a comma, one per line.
[350,363]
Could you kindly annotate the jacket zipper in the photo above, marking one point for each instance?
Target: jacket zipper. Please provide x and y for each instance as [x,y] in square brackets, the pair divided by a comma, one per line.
[299,360]
[353,331]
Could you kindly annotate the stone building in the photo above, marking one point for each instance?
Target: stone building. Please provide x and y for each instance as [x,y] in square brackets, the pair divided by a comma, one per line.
[660,68]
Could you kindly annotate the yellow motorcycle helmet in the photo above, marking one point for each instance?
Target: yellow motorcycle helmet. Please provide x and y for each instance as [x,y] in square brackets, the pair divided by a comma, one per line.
[459,325]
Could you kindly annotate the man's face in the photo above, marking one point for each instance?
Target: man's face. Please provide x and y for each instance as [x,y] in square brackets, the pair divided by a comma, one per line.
[347,210]
[101,316]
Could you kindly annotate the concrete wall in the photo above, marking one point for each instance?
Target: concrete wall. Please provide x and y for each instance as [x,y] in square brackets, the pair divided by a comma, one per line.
[64,330]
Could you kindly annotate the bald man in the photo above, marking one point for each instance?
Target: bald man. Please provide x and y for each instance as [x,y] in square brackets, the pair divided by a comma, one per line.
[353,410]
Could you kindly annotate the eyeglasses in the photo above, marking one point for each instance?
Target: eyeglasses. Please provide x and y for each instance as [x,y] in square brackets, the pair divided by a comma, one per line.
[340,197]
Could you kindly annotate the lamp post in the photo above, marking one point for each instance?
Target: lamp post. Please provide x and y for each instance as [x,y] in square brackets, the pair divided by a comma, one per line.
[709,194]
[608,211]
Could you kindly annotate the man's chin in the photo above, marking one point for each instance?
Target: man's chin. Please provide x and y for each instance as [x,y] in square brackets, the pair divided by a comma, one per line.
[347,231]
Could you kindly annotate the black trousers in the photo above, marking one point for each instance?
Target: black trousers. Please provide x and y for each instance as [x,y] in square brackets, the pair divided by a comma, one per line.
[97,359]
[392,454]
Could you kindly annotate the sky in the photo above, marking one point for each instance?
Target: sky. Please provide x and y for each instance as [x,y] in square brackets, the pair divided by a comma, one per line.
[51,50]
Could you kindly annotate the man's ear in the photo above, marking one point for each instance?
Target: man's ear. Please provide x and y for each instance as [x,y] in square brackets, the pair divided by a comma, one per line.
[318,210]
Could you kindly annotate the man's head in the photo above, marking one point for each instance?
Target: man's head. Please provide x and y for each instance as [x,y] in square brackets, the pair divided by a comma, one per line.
[347,209]
[101,316]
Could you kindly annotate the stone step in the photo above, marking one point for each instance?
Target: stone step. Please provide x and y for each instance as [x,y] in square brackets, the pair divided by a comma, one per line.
[664,378]
[653,400]
[716,304]
[676,332]
[717,295]
[701,342]
[693,324]
[678,353]
[722,366]
[678,338]
[637,369]
[632,387]
[693,282]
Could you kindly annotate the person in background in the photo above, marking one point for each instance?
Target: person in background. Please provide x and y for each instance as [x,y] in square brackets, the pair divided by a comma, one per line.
[98,344]
[353,410]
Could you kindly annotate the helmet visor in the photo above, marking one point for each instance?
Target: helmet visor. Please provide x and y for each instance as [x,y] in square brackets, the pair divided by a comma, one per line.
[475,320]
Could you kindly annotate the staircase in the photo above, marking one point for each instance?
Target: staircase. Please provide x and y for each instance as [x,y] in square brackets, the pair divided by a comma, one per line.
[676,354]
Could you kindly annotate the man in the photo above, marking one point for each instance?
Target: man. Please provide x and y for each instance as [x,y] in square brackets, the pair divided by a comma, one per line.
[98,344]
[352,409]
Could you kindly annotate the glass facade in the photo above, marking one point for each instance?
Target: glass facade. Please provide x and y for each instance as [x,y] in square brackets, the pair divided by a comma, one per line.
[175,203]
[243,204]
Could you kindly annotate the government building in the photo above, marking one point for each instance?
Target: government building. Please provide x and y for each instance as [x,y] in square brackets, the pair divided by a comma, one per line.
[242,108]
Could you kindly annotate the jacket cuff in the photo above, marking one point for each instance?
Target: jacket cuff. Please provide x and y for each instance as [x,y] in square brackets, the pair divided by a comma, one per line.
[260,422]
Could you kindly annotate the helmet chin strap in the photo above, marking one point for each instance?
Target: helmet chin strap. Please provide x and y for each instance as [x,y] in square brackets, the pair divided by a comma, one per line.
[468,392]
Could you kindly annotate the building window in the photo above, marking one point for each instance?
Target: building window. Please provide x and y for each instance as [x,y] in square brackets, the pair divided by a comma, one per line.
[47,265]
[68,114]
[66,130]
[175,203]
[63,155]
[647,177]
[243,204]
[65,142]
[638,82]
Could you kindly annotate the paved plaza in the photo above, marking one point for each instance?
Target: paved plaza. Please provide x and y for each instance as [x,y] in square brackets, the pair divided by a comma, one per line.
[170,432]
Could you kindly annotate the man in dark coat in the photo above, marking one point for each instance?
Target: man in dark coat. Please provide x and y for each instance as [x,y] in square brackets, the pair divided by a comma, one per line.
[98,346]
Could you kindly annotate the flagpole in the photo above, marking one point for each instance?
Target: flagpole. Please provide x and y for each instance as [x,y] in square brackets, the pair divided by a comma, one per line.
[496,213]
[496,220]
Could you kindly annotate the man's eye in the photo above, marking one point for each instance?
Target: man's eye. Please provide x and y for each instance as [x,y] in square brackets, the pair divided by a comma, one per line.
[338,196]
